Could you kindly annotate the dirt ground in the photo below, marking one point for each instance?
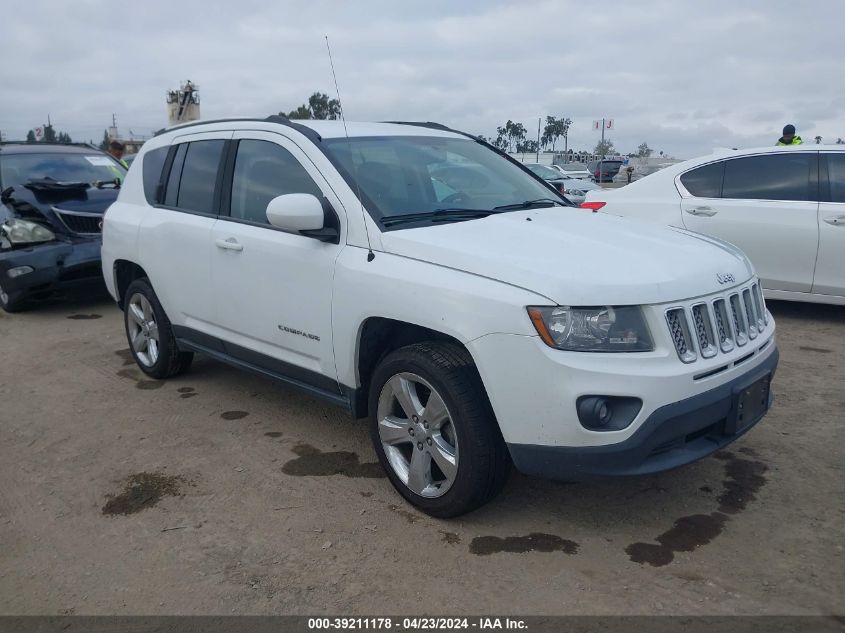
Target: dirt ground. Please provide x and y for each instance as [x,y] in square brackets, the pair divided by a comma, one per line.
[221,492]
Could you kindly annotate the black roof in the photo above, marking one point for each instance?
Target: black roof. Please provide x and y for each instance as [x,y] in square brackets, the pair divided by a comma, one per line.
[48,148]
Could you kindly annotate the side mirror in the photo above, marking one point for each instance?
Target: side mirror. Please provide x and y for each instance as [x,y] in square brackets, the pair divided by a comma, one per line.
[296,212]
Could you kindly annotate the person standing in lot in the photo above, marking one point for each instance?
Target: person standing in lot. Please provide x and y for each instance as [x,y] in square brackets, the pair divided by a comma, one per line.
[117,149]
[789,137]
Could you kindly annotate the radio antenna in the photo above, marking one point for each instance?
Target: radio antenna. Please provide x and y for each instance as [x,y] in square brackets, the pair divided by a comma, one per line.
[370,254]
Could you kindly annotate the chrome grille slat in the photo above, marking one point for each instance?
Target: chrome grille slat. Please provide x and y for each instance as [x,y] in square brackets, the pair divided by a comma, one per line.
[718,324]
[760,306]
[723,325]
[703,330]
[739,323]
[750,316]
[679,329]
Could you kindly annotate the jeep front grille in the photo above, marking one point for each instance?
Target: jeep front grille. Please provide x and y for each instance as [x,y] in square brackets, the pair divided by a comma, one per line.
[717,324]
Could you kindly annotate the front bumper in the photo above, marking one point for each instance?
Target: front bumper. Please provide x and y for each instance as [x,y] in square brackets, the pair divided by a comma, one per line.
[57,267]
[673,435]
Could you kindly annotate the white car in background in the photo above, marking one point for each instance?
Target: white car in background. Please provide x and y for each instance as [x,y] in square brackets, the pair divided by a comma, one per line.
[574,189]
[783,206]
[574,170]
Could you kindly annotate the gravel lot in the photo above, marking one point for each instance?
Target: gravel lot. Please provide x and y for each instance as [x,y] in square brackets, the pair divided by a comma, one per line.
[222,492]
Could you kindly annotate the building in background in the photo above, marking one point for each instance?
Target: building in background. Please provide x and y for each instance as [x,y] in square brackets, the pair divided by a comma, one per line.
[183,105]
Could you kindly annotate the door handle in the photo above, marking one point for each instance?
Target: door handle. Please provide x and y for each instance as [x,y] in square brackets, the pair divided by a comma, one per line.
[835,220]
[230,244]
[701,211]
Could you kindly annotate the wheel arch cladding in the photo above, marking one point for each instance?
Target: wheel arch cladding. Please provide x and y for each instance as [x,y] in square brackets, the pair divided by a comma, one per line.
[378,337]
[125,272]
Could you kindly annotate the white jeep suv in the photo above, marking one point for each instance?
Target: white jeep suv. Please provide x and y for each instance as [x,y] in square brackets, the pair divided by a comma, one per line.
[419,277]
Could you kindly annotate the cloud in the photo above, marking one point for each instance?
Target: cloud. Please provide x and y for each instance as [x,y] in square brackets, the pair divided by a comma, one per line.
[683,76]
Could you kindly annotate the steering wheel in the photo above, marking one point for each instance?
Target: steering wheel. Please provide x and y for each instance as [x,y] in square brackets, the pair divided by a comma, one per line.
[457,197]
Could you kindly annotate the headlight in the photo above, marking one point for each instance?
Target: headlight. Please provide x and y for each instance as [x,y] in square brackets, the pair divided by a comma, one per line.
[596,329]
[26,232]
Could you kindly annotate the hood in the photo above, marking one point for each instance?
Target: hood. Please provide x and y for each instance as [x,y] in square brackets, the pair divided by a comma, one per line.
[578,258]
[39,205]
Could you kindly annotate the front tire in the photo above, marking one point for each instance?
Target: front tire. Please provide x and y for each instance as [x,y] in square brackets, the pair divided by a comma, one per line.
[150,334]
[434,430]
[10,305]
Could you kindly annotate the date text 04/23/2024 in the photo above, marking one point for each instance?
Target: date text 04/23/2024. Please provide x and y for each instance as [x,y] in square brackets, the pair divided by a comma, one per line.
[415,624]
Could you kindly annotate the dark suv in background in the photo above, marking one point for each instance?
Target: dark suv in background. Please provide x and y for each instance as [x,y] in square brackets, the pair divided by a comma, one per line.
[604,170]
[52,200]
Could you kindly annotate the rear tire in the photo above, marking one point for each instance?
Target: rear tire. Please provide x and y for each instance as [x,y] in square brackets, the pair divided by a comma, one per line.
[150,334]
[434,430]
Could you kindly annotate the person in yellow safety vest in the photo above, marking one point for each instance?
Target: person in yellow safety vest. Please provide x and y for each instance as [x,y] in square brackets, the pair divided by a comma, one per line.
[117,149]
[789,137]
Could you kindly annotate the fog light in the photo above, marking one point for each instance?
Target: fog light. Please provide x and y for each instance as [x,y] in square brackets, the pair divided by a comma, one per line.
[607,413]
[17,271]
[594,412]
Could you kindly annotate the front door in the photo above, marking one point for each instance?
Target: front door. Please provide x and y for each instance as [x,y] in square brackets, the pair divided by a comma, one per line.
[767,207]
[274,289]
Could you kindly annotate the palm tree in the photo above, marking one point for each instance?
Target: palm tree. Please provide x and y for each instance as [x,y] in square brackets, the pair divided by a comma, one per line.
[818,140]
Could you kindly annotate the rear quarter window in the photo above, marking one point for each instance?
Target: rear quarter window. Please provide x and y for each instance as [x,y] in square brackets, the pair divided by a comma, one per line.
[705,181]
[152,167]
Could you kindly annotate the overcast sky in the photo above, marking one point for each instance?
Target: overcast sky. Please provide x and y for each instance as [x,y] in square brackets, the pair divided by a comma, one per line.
[683,75]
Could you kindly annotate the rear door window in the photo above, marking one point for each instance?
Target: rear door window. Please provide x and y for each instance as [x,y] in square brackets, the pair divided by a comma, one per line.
[199,176]
[152,168]
[769,177]
[172,191]
[705,181]
[836,176]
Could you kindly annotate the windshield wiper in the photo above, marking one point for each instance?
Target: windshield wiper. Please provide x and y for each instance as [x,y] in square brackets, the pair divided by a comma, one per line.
[528,204]
[49,184]
[438,215]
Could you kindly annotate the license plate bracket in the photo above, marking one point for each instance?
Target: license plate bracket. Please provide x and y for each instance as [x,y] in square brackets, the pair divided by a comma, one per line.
[750,404]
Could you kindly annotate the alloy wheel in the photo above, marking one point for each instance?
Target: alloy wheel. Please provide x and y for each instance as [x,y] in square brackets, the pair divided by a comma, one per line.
[143,329]
[417,434]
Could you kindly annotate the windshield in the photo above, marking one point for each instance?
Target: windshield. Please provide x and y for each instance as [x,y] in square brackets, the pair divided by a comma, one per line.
[403,175]
[18,169]
[544,172]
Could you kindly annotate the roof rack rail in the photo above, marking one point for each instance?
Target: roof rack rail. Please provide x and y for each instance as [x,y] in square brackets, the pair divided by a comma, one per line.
[281,119]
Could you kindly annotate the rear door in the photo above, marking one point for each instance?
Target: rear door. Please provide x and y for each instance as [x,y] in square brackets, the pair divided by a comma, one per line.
[767,205]
[176,245]
[830,267]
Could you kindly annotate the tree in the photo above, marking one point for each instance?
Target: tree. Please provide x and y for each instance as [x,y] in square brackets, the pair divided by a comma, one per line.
[644,151]
[320,106]
[302,112]
[555,128]
[64,137]
[509,136]
[603,148]
[49,134]
[818,140]
[839,141]
[30,137]
[500,141]
[323,107]
[104,144]
[527,147]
